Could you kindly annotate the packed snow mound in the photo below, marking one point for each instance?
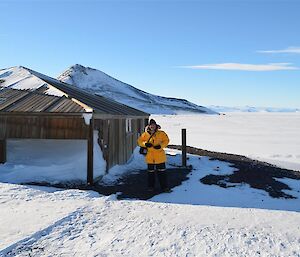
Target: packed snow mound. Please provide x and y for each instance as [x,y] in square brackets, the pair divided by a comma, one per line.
[251,109]
[98,82]
[39,221]
[50,161]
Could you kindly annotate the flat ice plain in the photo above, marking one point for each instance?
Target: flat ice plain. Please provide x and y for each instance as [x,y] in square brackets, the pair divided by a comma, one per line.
[271,137]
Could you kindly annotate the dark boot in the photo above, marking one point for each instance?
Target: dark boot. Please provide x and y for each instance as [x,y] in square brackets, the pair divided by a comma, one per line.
[151,180]
[162,177]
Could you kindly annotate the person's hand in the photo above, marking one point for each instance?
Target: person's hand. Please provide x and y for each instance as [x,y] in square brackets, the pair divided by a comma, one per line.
[148,145]
[157,147]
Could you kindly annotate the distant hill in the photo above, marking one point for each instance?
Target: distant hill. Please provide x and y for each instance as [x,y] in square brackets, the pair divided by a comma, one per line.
[251,109]
[100,83]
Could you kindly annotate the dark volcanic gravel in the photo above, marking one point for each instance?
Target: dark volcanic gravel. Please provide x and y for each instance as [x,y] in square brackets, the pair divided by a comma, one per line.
[132,185]
[256,174]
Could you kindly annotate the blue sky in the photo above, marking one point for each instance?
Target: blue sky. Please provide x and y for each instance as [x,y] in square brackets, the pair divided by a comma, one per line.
[215,52]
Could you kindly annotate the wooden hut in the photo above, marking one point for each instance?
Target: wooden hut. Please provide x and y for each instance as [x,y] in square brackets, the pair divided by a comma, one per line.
[75,114]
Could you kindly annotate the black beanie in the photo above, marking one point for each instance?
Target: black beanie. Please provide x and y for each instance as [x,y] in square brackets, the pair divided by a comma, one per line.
[152,122]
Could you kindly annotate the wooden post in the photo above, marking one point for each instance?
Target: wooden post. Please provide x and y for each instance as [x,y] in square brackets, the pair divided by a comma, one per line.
[90,154]
[183,136]
[146,122]
[2,151]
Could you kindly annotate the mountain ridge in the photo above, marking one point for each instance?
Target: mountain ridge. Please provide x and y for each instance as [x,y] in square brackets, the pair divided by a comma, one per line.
[98,82]
[253,109]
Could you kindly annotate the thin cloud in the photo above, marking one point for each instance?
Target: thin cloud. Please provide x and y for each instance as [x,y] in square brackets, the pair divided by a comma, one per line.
[289,50]
[244,67]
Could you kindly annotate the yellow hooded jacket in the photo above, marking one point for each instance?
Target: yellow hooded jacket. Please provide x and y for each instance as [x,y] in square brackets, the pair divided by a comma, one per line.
[155,156]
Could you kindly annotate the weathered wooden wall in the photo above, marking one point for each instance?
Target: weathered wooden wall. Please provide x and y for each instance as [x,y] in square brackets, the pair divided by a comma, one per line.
[117,144]
[43,127]
[2,151]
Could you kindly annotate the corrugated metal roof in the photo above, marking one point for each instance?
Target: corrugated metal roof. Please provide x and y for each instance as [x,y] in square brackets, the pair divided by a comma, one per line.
[10,96]
[99,104]
[15,100]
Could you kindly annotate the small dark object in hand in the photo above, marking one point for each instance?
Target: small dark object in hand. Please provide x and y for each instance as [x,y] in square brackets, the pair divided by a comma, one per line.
[143,150]
[148,145]
[157,147]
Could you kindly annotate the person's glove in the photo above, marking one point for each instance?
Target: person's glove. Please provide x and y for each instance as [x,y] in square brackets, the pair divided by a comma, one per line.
[157,147]
[148,145]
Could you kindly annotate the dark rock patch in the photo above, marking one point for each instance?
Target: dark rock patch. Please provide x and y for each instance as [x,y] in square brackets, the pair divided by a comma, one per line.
[257,174]
[132,185]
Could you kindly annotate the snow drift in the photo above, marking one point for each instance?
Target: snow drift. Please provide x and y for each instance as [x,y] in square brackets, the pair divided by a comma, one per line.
[51,161]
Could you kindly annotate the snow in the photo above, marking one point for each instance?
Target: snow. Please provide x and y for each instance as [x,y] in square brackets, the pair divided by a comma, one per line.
[270,137]
[193,220]
[87,118]
[134,164]
[241,195]
[226,109]
[25,210]
[89,77]
[52,161]
[98,82]
[54,91]
[20,78]
[41,222]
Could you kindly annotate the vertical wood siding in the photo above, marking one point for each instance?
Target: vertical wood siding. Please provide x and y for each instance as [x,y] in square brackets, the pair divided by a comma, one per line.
[43,127]
[117,145]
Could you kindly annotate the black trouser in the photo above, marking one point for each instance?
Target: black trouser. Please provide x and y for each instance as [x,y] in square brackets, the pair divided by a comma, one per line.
[161,173]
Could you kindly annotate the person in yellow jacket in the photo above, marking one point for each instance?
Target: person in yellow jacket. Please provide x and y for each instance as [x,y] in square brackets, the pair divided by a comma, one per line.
[155,140]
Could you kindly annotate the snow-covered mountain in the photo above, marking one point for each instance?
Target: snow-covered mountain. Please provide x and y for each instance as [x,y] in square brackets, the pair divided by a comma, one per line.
[19,77]
[98,82]
[251,109]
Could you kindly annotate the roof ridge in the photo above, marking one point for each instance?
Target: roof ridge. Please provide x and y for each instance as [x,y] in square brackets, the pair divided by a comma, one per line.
[106,105]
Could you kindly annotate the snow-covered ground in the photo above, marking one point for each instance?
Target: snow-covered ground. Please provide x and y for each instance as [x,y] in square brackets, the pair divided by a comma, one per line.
[193,220]
[37,221]
[239,195]
[26,210]
[271,137]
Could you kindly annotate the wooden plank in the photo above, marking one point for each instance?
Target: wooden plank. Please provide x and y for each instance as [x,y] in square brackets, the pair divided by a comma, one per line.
[183,135]
[106,143]
[3,127]
[146,121]
[43,114]
[134,134]
[111,143]
[2,151]
[120,142]
[113,116]
[43,127]
[90,154]
[124,142]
